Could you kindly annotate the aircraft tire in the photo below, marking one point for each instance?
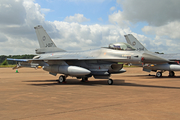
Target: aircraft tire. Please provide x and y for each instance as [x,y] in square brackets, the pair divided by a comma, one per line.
[159,74]
[61,79]
[171,73]
[85,79]
[110,82]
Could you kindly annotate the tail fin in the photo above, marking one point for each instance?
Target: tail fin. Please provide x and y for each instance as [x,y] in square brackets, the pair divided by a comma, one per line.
[134,42]
[45,42]
[43,37]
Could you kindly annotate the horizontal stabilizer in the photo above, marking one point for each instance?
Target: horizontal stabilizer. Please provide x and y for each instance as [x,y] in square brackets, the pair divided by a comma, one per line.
[49,50]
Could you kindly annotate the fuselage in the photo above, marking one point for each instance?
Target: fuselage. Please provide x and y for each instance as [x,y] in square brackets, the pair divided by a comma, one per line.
[104,54]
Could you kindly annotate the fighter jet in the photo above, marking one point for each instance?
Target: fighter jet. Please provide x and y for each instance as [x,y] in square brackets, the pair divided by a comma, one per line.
[171,66]
[99,63]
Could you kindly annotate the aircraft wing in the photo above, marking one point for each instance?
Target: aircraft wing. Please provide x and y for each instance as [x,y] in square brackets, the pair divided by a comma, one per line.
[114,59]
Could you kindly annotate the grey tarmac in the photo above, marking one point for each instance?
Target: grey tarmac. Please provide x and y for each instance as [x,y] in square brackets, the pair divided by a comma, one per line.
[35,94]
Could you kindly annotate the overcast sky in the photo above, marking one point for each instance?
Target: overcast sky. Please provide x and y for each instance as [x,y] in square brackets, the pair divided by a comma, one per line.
[88,24]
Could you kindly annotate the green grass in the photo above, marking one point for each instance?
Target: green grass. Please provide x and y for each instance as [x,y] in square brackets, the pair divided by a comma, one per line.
[125,65]
[7,66]
[129,66]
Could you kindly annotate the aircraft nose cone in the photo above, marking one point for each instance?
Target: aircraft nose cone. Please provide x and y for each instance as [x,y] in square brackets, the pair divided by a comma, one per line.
[149,58]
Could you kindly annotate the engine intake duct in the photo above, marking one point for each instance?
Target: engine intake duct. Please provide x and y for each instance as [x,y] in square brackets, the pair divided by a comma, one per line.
[116,68]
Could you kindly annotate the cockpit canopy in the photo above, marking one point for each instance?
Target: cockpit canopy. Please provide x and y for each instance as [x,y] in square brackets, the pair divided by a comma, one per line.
[121,46]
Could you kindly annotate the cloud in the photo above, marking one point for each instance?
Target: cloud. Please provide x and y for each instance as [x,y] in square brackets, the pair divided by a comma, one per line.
[100,19]
[3,38]
[112,8]
[16,26]
[171,30]
[83,37]
[17,36]
[119,19]
[45,10]
[79,18]
[20,38]
[12,12]
[97,1]
[166,36]
[162,18]
[155,13]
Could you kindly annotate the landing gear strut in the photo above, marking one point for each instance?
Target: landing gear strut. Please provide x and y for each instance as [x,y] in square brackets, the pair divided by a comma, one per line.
[110,82]
[62,79]
[84,79]
[171,73]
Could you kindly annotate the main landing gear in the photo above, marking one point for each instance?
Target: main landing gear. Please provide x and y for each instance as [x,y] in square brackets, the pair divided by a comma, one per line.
[84,79]
[62,79]
[110,82]
[171,74]
[159,74]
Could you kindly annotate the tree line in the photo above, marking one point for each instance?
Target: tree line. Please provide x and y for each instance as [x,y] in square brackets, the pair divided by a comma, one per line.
[4,57]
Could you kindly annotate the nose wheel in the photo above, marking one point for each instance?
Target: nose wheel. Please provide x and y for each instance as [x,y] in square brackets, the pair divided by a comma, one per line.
[110,82]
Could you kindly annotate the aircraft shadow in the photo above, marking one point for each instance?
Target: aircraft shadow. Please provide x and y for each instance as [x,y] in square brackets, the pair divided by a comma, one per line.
[73,82]
[153,86]
[152,76]
[44,83]
[40,81]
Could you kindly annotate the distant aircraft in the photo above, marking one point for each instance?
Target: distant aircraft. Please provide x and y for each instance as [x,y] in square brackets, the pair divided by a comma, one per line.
[171,66]
[99,63]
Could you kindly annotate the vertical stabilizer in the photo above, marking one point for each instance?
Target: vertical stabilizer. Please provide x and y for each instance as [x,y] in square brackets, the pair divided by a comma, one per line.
[43,38]
[45,42]
[134,42]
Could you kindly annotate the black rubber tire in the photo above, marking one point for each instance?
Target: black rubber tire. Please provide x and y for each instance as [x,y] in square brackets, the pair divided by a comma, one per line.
[171,73]
[85,79]
[159,74]
[110,82]
[61,79]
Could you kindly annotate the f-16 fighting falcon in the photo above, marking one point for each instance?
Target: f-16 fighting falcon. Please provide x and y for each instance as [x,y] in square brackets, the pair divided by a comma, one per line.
[171,66]
[99,63]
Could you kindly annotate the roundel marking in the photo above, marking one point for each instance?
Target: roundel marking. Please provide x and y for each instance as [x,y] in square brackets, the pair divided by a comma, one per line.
[44,38]
[134,43]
